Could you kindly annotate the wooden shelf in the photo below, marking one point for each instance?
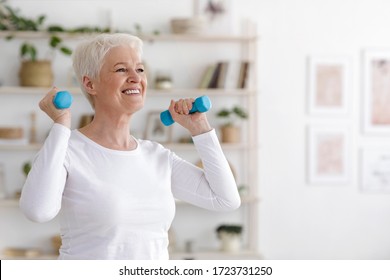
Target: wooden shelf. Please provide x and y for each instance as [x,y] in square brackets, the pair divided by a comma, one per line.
[196,92]
[190,146]
[215,255]
[38,257]
[9,202]
[202,255]
[28,147]
[13,202]
[154,92]
[172,146]
[244,200]
[149,38]
[15,90]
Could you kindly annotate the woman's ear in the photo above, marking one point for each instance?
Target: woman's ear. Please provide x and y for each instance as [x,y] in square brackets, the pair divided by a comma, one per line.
[88,85]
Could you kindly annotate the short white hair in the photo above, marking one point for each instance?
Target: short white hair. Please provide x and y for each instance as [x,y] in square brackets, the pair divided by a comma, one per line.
[89,55]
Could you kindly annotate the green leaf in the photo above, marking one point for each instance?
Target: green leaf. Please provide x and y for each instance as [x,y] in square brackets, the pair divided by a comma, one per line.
[55,41]
[41,19]
[240,112]
[33,53]
[28,51]
[66,50]
[23,49]
[55,28]
[26,168]
[223,113]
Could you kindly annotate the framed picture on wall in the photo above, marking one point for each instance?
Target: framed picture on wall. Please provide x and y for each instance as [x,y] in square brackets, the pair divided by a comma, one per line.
[328,154]
[375,169]
[156,130]
[328,85]
[376,91]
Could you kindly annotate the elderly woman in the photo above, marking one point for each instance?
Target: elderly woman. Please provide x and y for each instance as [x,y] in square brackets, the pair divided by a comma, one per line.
[115,194]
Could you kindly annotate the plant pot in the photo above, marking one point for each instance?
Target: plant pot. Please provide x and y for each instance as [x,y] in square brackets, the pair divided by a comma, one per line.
[36,74]
[230,242]
[230,134]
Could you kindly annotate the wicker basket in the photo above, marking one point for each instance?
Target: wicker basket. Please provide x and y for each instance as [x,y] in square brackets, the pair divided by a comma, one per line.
[13,252]
[36,74]
[187,25]
[11,132]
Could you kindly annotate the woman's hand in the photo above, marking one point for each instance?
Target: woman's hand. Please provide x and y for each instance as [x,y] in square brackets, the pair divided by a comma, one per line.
[60,116]
[196,123]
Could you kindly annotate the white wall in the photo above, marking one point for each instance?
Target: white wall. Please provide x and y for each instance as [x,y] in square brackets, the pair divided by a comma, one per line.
[297,220]
[301,221]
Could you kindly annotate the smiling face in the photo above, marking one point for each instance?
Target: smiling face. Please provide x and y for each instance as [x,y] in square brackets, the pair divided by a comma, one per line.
[121,86]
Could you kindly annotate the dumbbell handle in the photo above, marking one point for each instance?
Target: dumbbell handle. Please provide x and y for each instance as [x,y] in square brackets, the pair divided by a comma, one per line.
[201,104]
[62,100]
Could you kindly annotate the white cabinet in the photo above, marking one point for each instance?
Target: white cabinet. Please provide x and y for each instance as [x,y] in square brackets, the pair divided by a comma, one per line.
[185,58]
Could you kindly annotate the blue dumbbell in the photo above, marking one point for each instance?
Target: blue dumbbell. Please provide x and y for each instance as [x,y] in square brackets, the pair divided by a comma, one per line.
[62,100]
[201,104]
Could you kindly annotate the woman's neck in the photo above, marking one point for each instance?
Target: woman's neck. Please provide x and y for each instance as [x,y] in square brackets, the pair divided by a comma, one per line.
[110,132]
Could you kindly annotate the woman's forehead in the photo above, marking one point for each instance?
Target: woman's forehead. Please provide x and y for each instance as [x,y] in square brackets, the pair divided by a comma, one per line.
[122,54]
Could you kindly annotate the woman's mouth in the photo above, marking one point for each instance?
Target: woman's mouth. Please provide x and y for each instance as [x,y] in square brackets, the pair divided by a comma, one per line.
[131,91]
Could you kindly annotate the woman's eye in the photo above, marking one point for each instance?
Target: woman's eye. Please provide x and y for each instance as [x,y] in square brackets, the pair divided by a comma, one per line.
[121,70]
[140,70]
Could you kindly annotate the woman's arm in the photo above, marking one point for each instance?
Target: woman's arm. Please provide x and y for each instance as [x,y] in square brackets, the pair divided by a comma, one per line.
[214,187]
[42,191]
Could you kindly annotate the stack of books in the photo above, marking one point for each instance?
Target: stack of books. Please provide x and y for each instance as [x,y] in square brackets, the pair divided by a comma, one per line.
[225,75]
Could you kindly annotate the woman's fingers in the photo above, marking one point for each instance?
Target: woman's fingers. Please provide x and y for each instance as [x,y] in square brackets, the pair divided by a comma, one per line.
[61,116]
[183,106]
[47,100]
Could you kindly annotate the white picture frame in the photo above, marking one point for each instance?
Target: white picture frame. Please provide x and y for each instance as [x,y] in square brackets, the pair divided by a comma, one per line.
[328,154]
[376,91]
[329,85]
[156,130]
[375,170]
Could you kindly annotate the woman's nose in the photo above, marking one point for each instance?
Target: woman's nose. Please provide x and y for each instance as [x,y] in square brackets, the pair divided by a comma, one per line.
[134,76]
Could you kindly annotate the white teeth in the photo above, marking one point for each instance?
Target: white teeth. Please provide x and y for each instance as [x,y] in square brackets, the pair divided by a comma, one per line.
[131,91]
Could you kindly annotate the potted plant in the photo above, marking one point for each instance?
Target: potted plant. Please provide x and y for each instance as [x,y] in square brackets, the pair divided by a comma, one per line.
[230,130]
[33,71]
[38,72]
[230,236]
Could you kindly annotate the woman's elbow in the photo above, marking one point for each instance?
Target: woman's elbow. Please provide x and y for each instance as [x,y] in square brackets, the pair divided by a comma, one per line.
[235,204]
[238,203]
[229,205]
[37,215]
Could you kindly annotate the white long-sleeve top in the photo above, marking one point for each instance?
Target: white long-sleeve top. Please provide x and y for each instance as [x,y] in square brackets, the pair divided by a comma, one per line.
[120,204]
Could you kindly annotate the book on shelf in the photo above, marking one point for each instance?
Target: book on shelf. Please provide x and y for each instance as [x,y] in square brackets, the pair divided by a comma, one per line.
[207,76]
[243,75]
[225,75]
[222,74]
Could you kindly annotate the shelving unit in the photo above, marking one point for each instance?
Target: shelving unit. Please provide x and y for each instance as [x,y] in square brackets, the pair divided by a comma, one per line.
[144,37]
[245,152]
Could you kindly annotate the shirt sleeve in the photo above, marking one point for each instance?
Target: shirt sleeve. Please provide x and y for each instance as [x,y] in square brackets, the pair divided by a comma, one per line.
[42,192]
[212,188]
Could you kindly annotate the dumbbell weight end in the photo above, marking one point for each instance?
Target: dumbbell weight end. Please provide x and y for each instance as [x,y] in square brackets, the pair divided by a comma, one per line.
[62,100]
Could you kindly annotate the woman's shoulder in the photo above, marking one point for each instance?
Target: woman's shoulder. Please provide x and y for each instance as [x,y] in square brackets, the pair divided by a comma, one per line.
[150,144]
